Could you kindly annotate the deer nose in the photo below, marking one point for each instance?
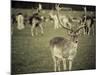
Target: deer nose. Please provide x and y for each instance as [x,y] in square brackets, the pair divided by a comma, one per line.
[76,41]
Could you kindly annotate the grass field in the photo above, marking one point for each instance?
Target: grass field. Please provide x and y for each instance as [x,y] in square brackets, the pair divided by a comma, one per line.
[32,54]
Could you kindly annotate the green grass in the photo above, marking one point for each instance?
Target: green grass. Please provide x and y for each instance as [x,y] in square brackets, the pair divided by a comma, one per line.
[32,54]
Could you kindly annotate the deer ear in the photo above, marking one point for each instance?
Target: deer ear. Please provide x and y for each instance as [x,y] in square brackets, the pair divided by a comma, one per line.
[68,34]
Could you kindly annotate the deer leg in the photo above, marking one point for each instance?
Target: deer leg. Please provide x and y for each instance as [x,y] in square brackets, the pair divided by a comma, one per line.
[55,66]
[41,27]
[93,29]
[58,64]
[32,29]
[70,65]
[55,25]
[84,31]
[36,31]
[55,63]
[89,31]
[64,64]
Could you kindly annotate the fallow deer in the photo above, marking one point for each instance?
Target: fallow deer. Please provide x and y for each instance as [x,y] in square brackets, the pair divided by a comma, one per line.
[63,49]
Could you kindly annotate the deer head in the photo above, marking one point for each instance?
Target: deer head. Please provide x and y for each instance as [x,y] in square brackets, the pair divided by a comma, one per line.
[74,34]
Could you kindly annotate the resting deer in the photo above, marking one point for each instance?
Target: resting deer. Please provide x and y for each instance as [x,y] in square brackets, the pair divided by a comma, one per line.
[63,49]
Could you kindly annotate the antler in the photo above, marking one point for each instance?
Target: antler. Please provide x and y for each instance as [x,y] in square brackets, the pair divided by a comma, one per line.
[83,24]
[81,27]
[61,23]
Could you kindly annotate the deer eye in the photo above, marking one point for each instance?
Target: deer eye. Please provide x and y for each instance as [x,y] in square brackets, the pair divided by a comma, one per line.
[76,41]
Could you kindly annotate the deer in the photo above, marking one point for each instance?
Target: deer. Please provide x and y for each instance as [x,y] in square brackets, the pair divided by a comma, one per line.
[65,19]
[63,49]
[20,21]
[88,21]
[54,18]
[36,21]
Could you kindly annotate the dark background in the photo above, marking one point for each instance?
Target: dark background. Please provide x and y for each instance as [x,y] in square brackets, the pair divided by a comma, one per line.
[22,4]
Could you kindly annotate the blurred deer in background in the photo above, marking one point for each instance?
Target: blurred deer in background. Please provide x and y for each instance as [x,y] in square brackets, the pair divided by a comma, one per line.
[53,16]
[65,19]
[36,20]
[20,21]
[88,20]
[63,49]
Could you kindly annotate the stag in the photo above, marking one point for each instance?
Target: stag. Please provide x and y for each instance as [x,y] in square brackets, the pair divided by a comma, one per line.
[63,49]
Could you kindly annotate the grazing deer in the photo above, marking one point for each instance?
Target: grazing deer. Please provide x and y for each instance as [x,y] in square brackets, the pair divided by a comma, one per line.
[63,49]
